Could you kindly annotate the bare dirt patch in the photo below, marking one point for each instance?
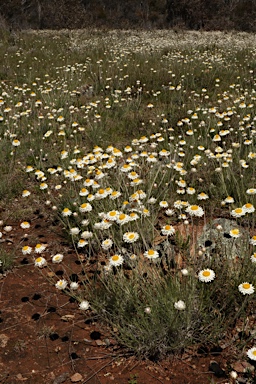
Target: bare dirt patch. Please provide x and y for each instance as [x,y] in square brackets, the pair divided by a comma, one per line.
[45,338]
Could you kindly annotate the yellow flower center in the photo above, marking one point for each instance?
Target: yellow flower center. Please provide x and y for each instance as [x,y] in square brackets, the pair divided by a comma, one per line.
[254,353]
[113,213]
[122,216]
[151,252]
[131,236]
[246,285]
[115,258]
[101,191]
[206,273]
[167,227]
[39,259]
[238,210]
[194,207]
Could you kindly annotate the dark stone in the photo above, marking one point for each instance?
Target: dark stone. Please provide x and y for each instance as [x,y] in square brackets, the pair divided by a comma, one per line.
[36,316]
[216,350]
[95,335]
[88,321]
[24,299]
[36,296]
[54,336]
[24,261]
[203,350]
[72,300]
[74,277]
[216,369]
[74,356]
[155,357]
[51,309]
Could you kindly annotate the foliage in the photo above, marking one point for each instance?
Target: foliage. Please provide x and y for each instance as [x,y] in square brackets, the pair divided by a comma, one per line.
[134,141]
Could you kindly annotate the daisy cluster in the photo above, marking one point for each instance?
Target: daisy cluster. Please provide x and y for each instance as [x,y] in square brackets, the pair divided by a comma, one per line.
[195,155]
[122,191]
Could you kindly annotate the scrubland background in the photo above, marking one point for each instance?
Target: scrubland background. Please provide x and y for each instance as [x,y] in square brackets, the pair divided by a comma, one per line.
[188,14]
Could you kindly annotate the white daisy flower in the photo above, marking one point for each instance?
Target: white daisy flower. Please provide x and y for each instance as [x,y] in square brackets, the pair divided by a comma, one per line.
[168,230]
[74,285]
[74,231]
[114,195]
[169,212]
[40,262]
[116,260]
[61,284]
[202,196]
[26,193]
[25,225]
[82,243]
[130,237]
[229,200]
[26,250]
[235,233]
[151,254]
[238,212]
[84,305]
[85,207]
[86,235]
[56,259]
[66,212]
[251,353]
[253,240]
[206,275]
[39,248]
[195,210]
[251,191]
[180,305]
[248,208]
[246,288]
[106,244]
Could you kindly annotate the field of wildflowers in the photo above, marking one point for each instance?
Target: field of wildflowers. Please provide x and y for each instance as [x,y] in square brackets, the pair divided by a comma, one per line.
[132,143]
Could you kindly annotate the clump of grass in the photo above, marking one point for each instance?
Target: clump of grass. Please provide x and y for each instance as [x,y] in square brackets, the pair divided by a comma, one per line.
[6,260]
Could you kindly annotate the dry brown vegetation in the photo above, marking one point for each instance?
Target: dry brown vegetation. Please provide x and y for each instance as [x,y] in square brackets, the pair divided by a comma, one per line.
[185,14]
